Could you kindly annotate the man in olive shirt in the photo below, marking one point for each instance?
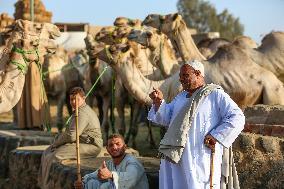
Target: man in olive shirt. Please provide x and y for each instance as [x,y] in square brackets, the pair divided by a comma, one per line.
[64,145]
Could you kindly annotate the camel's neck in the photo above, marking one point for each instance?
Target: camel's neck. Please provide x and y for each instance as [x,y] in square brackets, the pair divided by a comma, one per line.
[182,40]
[139,86]
[165,59]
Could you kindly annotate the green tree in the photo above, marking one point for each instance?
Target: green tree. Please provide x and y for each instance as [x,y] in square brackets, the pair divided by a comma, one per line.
[202,15]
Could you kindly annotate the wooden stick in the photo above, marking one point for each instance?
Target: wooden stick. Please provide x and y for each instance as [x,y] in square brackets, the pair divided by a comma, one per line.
[212,167]
[77,140]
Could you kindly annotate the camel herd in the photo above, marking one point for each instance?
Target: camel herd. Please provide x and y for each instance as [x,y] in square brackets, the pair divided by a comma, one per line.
[139,55]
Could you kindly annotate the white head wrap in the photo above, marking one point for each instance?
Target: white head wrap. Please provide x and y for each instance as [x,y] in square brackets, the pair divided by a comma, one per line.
[197,65]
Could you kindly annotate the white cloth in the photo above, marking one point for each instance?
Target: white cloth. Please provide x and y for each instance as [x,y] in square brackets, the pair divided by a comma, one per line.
[129,174]
[217,114]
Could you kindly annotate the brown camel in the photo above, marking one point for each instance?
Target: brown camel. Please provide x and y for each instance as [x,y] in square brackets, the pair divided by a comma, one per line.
[28,43]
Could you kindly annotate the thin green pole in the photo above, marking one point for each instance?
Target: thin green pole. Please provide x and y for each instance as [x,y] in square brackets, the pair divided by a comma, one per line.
[32,10]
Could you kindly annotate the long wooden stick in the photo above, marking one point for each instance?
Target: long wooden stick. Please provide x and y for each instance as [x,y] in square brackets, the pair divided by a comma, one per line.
[212,167]
[77,141]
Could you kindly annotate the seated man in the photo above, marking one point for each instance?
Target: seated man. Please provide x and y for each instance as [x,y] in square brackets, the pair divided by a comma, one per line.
[123,171]
[64,145]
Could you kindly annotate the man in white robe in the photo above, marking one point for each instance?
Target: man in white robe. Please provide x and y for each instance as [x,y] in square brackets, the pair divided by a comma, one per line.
[123,171]
[217,118]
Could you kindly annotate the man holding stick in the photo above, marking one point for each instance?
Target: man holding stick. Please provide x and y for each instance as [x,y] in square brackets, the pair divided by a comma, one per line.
[200,120]
[64,145]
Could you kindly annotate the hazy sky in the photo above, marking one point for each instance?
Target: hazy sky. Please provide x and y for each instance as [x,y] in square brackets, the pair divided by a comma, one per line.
[258,16]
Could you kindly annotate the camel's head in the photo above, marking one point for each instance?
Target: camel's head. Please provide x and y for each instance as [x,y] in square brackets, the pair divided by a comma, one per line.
[208,47]
[123,21]
[105,35]
[166,24]
[149,37]
[118,53]
[273,39]
[245,42]
[113,35]
[90,41]
[36,38]
[121,33]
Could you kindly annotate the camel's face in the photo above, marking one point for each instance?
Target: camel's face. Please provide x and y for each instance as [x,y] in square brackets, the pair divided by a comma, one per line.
[165,24]
[96,49]
[123,21]
[105,35]
[90,41]
[122,32]
[153,20]
[120,53]
[38,36]
[147,37]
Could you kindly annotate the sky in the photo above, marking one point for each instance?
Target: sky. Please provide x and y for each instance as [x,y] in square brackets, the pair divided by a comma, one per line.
[259,17]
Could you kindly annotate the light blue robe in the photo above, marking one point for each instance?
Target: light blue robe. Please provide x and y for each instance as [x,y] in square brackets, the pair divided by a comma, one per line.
[129,174]
[218,115]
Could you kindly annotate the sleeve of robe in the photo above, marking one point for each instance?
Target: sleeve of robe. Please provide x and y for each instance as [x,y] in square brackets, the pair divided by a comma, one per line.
[232,120]
[129,178]
[163,115]
[69,136]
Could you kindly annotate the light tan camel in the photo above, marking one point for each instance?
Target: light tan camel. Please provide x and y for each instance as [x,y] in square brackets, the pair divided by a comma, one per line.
[175,28]
[269,54]
[162,55]
[29,42]
[245,42]
[208,47]
[123,21]
[252,85]
[121,98]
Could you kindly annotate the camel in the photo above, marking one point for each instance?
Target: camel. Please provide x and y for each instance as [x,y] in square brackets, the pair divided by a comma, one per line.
[245,42]
[114,35]
[54,82]
[175,28]
[121,94]
[103,89]
[162,55]
[123,21]
[270,54]
[252,85]
[29,42]
[208,47]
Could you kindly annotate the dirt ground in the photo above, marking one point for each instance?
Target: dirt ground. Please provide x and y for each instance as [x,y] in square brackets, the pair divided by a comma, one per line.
[142,139]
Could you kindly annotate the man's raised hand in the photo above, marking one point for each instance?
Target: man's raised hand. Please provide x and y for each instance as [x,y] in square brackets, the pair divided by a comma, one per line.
[157,96]
[104,173]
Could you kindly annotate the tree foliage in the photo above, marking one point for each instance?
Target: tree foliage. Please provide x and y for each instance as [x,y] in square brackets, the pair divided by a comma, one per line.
[202,15]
